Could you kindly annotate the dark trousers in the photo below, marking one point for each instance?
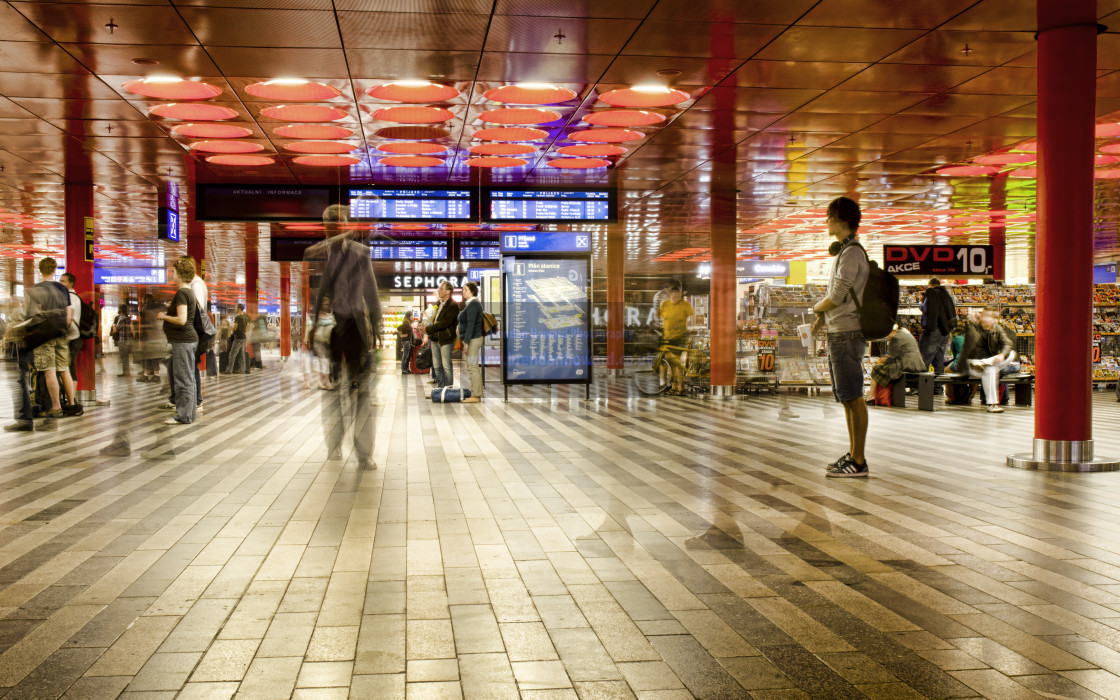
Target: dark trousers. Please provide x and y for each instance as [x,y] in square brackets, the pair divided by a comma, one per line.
[350,406]
[197,382]
[23,396]
[406,354]
[932,347]
[211,365]
[75,348]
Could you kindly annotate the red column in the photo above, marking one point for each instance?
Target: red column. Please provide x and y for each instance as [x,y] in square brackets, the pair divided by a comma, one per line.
[997,231]
[78,199]
[616,303]
[252,269]
[285,309]
[724,282]
[1067,50]
[196,248]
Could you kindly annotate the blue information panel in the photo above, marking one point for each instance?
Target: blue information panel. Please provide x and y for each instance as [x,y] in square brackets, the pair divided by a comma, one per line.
[409,251]
[547,324]
[546,242]
[168,227]
[375,204]
[551,205]
[479,251]
[129,275]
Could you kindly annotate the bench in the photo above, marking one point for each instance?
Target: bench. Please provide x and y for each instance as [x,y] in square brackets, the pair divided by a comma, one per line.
[1021,383]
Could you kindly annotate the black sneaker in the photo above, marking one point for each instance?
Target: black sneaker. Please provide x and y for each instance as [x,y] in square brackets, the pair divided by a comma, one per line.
[848,468]
[74,409]
[847,456]
[20,426]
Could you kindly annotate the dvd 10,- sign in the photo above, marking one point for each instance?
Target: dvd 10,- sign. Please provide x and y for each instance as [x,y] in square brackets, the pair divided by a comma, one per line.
[947,260]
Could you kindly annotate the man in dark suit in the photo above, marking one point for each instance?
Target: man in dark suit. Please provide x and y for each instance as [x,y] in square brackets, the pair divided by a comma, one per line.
[347,279]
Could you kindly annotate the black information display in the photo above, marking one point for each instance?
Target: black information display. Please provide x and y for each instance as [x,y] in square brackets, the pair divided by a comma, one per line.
[479,251]
[285,249]
[376,204]
[930,260]
[547,320]
[408,251]
[263,202]
[547,206]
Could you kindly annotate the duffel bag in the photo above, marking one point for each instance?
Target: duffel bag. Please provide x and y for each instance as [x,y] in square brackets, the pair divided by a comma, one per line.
[450,394]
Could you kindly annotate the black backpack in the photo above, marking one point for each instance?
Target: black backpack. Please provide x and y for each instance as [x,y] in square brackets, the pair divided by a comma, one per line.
[878,310]
[204,328]
[87,324]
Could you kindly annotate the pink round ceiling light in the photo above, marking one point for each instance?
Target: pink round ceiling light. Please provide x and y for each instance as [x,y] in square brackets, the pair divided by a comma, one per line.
[529,94]
[193,112]
[578,163]
[413,133]
[502,149]
[312,131]
[595,151]
[172,89]
[293,91]
[211,131]
[605,135]
[327,161]
[1104,160]
[1004,159]
[519,115]
[1028,147]
[496,162]
[1106,130]
[321,147]
[304,113]
[239,160]
[652,96]
[412,148]
[510,133]
[624,117]
[411,161]
[1112,174]
[1111,148]
[226,147]
[414,91]
[967,170]
[414,115]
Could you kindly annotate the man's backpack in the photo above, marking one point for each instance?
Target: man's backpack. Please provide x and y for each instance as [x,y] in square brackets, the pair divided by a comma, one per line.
[878,310]
[87,324]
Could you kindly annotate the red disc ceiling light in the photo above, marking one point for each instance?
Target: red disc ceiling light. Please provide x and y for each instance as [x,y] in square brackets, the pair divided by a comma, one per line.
[1107,130]
[1004,159]
[529,94]
[967,170]
[239,160]
[510,133]
[414,91]
[519,115]
[1111,148]
[578,163]
[293,91]
[211,131]
[412,148]
[593,151]
[327,161]
[414,115]
[304,113]
[605,135]
[1106,174]
[1104,160]
[320,147]
[411,161]
[193,112]
[312,131]
[653,96]
[502,149]
[626,117]
[172,89]
[226,147]
[496,162]
[412,133]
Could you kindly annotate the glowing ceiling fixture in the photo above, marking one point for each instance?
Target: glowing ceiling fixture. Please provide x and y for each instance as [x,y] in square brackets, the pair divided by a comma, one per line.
[652,89]
[286,81]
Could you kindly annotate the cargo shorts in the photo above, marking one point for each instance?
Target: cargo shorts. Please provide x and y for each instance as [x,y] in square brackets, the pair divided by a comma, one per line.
[53,354]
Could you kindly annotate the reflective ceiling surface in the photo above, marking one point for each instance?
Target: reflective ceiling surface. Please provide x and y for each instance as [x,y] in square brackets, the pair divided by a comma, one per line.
[802,100]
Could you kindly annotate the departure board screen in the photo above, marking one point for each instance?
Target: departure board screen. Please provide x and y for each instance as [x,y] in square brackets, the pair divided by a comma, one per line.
[479,251]
[376,204]
[551,206]
[547,334]
[129,275]
[263,202]
[407,250]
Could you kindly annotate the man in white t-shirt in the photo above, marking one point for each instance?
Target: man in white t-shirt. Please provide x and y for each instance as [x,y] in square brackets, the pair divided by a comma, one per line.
[73,335]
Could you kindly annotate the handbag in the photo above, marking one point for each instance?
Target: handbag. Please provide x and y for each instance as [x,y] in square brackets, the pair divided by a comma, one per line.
[489,324]
[40,328]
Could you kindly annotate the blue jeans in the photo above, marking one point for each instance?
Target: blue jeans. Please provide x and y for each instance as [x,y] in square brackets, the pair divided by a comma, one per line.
[182,364]
[845,364]
[406,354]
[932,347]
[197,382]
[442,371]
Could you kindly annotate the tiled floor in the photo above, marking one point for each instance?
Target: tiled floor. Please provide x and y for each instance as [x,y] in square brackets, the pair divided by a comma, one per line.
[550,548]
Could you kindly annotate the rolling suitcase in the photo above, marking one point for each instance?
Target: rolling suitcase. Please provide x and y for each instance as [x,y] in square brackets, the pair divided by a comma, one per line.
[450,394]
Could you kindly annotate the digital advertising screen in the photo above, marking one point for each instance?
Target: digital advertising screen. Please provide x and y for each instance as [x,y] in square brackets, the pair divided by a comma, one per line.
[263,202]
[550,206]
[421,204]
[547,323]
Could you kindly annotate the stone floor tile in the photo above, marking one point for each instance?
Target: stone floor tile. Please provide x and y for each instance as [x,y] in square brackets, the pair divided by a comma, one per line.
[430,639]
[270,678]
[388,686]
[165,671]
[540,675]
[487,676]
[527,641]
[333,643]
[428,670]
[208,691]
[433,691]
[650,675]
[325,674]
[97,687]
[226,660]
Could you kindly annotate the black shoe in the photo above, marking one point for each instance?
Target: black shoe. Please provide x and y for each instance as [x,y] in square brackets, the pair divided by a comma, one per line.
[847,469]
[20,426]
[74,409]
[847,456]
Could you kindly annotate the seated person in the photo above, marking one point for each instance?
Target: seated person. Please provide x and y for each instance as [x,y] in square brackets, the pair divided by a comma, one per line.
[987,352]
[902,356]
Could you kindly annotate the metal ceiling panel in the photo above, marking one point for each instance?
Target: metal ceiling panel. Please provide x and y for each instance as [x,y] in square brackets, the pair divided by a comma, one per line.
[86,23]
[376,66]
[542,35]
[279,63]
[112,59]
[897,77]
[28,57]
[633,9]
[840,44]
[810,75]
[256,27]
[1001,81]
[675,38]
[959,48]
[756,12]
[883,13]
[548,68]
[863,102]
[397,30]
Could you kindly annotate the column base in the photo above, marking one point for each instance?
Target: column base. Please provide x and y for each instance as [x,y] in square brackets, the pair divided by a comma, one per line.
[615,373]
[1063,456]
[88,397]
[721,391]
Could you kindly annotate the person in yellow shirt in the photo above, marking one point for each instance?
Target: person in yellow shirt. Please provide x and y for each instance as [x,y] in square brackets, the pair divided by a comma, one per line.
[674,313]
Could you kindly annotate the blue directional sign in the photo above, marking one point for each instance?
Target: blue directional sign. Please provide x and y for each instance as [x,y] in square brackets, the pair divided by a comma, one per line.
[546,242]
[129,275]
[168,227]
